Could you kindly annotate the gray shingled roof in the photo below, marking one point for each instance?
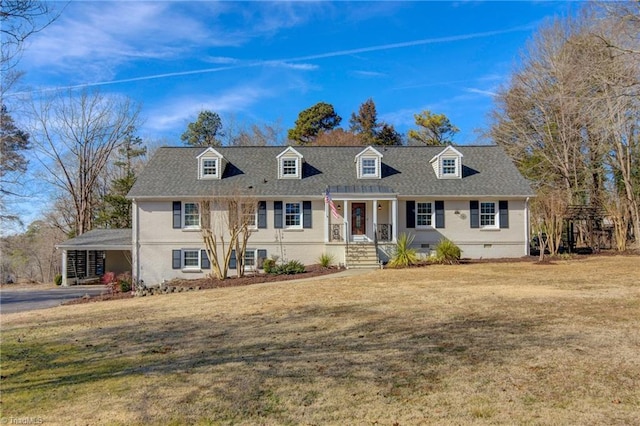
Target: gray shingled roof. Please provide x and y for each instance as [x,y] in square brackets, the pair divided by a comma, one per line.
[100,239]
[173,173]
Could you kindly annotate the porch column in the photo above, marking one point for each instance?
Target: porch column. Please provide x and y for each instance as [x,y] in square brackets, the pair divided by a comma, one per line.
[326,222]
[394,220]
[375,217]
[346,217]
[65,283]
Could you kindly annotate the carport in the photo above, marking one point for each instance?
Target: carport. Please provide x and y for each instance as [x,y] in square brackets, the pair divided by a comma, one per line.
[86,258]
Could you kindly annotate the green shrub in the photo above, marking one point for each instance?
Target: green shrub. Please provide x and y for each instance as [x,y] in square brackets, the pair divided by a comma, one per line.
[325,260]
[447,252]
[124,282]
[404,255]
[290,268]
[57,279]
[125,286]
[269,265]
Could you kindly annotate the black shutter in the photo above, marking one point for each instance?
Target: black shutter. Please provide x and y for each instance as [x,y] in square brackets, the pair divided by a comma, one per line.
[177,215]
[232,261]
[439,214]
[177,259]
[277,214]
[411,214]
[504,213]
[474,215]
[204,260]
[306,214]
[262,214]
[262,255]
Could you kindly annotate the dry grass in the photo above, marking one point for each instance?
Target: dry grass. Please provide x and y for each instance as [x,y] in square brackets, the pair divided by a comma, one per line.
[507,343]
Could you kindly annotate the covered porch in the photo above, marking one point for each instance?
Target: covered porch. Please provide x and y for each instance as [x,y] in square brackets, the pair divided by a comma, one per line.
[366,214]
[85,259]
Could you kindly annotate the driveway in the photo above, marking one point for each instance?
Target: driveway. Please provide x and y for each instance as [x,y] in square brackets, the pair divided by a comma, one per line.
[31,298]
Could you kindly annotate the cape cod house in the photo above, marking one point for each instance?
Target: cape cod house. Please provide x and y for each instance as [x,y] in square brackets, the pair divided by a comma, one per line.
[472,195]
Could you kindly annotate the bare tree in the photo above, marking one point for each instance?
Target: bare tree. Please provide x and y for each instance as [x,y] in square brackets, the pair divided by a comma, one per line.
[227,223]
[74,137]
[20,19]
[569,117]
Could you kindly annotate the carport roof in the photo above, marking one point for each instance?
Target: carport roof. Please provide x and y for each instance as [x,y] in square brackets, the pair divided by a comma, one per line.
[100,239]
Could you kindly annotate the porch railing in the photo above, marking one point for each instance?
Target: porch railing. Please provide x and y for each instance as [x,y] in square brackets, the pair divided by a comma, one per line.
[384,232]
[336,232]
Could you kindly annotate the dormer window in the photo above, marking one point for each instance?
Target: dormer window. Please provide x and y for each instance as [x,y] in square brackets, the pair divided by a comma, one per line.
[448,164]
[290,164]
[210,164]
[289,167]
[210,167]
[369,167]
[368,163]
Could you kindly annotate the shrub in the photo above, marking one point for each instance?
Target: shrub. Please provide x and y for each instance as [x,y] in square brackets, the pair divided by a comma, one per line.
[108,278]
[290,268]
[404,255]
[125,286]
[447,252]
[269,265]
[57,279]
[325,260]
[124,282]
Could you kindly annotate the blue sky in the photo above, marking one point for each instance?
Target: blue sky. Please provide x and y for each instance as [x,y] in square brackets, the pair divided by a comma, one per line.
[261,63]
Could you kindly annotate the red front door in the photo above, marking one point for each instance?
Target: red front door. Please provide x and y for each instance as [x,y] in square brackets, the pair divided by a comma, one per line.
[358,218]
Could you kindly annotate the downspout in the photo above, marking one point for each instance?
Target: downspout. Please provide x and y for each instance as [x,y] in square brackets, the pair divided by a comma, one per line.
[135,245]
[526,227]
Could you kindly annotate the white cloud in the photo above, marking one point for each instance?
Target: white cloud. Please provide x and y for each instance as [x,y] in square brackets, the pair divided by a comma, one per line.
[369,74]
[174,114]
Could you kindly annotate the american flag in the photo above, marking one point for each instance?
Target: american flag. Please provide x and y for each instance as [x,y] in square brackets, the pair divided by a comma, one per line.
[328,200]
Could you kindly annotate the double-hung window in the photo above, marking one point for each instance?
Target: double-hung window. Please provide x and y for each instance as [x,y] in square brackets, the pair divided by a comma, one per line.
[289,167]
[449,167]
[249,214]
[191,259]
[191,217]
[488,215]
[210,167]
[369,167]
[424,214]
[250,259]
[293,215]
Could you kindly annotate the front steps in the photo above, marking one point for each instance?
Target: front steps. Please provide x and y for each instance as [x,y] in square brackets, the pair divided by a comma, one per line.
[361,256]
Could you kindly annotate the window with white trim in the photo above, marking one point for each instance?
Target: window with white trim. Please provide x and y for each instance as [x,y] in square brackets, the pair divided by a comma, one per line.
[369,167]
[250,259]
[449,166]
[424,214]
[191,215]
[293,215]
[190,259]
[289,167]
[249,214]
[209,167]
[488,215]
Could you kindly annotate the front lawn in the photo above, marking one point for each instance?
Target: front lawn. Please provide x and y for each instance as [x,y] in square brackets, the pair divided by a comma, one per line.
[485,343]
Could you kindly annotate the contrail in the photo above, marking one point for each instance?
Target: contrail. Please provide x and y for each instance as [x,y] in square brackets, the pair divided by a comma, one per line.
[334,54]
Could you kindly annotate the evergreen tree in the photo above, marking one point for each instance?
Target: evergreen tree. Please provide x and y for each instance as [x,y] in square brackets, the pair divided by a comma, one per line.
[205,131]
[115,211]
[313,121]
[365,123]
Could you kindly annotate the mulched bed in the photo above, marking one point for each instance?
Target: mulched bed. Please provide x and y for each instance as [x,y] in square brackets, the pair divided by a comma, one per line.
[209,283]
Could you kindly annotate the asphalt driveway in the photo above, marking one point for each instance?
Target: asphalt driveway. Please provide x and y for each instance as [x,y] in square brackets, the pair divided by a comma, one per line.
[31,298]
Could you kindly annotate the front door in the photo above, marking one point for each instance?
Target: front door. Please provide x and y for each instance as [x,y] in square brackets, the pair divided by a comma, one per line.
[358,218]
